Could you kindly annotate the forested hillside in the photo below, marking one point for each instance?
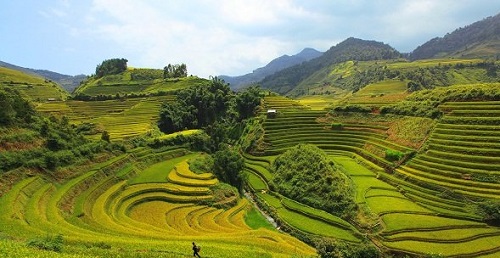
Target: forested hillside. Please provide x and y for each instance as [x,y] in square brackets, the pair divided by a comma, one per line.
[350,49]
[478,40]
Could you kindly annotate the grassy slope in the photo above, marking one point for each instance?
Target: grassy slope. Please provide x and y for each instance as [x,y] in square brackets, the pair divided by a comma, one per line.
[32,87]
[333,79]
[125,83]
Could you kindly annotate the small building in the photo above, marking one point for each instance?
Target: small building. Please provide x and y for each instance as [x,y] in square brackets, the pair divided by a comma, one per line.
[51,99]
[271,113]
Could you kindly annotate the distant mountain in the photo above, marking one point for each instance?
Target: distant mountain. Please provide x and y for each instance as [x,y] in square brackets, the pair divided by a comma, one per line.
[68,82]
[275,65]
[478,40]
[350,49]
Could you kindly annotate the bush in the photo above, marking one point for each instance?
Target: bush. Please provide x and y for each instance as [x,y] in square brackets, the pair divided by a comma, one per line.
[330,248]
[337,126]
[353,108]
[393,155]
[303,173]
[490,211]
[49,243]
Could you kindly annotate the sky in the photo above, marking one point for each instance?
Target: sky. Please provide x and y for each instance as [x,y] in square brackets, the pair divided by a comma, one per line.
[214,37]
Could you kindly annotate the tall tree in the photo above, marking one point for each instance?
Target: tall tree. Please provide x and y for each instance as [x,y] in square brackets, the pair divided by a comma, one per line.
[111,66]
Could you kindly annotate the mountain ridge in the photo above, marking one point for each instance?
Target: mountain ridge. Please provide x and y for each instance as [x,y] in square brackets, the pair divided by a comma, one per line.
[350,49]
[480,39]
[272,67]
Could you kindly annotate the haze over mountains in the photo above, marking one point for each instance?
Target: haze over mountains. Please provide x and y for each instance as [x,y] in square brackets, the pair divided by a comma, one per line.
[275,65]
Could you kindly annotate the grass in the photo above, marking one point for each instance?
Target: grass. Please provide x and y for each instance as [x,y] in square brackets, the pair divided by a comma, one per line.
[158,172]
[401,222]
[255,220]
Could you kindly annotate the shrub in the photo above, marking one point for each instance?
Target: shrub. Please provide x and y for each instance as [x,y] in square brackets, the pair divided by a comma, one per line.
[49,243]
[393,155]
[303,173]
[337,126]
[330,248]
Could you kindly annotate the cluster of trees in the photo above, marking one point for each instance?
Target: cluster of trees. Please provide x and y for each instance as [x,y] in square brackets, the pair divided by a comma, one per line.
[208,106]
[219,111]
[332,248]
[13,108]
[111,66]
[62,143]
[470,35]
[175,71]
[305,174]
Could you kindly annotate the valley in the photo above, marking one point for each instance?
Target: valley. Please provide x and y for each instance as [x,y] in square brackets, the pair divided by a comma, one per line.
[358,152]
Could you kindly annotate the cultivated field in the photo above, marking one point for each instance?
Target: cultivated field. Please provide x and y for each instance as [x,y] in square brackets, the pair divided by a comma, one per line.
[121,210]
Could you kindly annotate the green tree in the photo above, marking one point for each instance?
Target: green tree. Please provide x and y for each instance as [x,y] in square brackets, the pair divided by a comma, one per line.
[175,71]
[228,167]
[331,248]
[105,136]
[14,108]
[196,107]
[247,102]
[111,66]
[305,174]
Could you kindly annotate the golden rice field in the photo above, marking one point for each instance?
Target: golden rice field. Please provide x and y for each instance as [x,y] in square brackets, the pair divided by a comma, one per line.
[146,219]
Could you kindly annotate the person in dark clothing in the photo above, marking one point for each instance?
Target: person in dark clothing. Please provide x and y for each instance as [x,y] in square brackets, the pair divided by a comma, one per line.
[196,249]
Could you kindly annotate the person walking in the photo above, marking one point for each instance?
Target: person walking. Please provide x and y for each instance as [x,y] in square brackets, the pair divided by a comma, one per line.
[196,249]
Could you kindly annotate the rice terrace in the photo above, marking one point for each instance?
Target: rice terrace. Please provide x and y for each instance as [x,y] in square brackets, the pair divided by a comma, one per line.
[362,151]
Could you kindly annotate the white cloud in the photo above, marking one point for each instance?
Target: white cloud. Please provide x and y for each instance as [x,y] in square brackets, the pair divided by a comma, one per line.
[236,36]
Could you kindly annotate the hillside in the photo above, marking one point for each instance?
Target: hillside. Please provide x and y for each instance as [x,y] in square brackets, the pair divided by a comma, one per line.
[478,40]
[351,49]
[68,82]
[275,65]
[31,86]
[134,81]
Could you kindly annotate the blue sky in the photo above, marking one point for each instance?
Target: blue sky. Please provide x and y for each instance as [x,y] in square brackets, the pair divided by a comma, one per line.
[214,37]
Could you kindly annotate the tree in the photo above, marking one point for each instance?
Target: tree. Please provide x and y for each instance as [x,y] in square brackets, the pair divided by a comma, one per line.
[14,108]
[305,174]
[105,136]
[196,107]
[111,66]
[175,71]
[247,102]
[332,248]
[228,167]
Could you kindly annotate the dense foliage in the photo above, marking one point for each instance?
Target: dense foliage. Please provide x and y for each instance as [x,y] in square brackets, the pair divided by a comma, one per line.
[28,139]
[329,248]
[460,39]
[228,167]
[201,106]
[196,107]
[304,173]
[13,108]
[175,71]
[111,66]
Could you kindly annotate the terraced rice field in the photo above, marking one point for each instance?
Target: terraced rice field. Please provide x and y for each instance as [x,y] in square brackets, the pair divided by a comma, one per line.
[102,206]
[122,119]
[463,151]
[461,157]
[380,93]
